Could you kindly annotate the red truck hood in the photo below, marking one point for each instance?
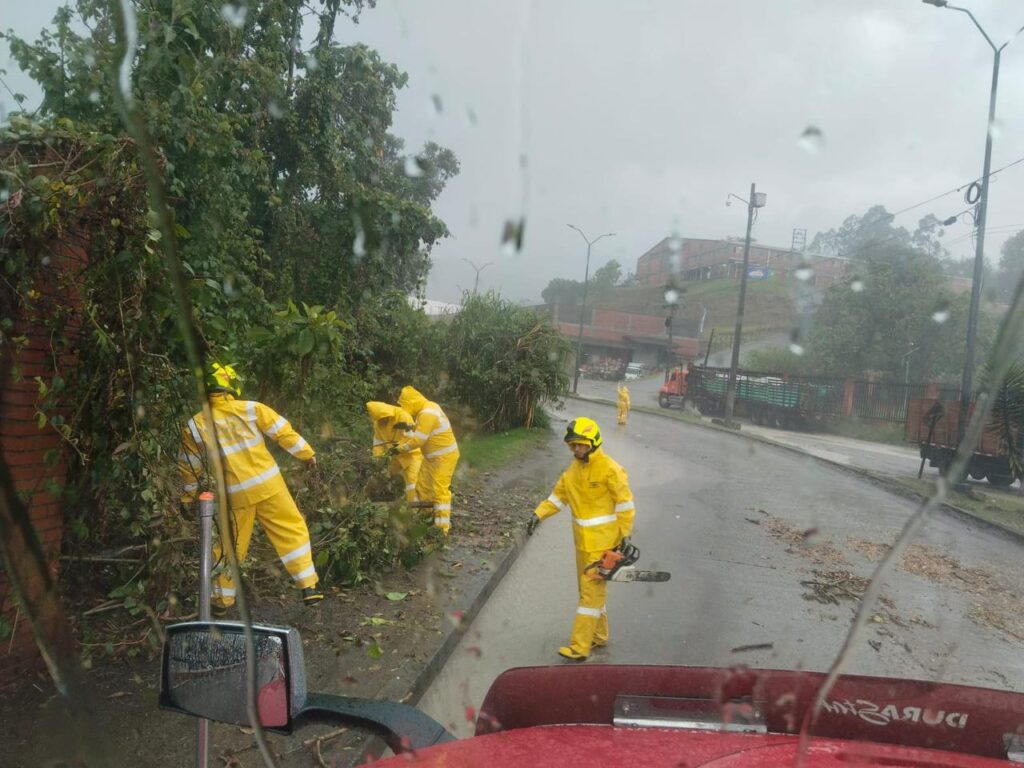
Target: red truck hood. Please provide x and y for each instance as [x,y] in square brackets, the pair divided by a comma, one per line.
[588,746]
[582,714]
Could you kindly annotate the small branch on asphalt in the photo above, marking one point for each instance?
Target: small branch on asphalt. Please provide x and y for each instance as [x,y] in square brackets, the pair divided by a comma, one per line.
[752,647]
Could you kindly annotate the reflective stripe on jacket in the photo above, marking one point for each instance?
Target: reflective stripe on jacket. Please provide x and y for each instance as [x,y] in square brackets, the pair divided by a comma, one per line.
[250,471]
[432,433]
[597,494]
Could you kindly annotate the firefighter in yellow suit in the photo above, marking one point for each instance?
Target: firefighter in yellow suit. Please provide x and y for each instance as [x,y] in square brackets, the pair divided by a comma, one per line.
[390,426]
[595,490]
[623,393]
[433,435]
[255,488]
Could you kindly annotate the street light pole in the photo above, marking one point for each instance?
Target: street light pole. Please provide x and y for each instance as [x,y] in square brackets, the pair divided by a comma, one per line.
[583,307]
[979,253]
[476,282]
[756,201]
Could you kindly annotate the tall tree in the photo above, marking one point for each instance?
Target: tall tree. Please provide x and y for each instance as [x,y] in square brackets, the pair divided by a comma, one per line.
[862,237]
[1011,264]
[285,177]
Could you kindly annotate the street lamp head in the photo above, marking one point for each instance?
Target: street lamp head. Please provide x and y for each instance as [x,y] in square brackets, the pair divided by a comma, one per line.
[936,3]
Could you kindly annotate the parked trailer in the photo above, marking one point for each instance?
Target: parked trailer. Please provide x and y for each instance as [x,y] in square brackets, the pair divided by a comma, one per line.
[934,426]
[792,402]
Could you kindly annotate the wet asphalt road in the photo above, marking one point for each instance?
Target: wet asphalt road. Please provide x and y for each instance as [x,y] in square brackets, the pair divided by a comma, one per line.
[706,502]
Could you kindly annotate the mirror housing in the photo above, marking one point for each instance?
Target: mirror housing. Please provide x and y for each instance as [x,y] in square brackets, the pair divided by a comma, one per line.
[203,673]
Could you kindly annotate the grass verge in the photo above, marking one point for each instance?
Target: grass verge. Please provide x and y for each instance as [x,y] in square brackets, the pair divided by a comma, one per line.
[487,452]
[875,432]
[1004,508]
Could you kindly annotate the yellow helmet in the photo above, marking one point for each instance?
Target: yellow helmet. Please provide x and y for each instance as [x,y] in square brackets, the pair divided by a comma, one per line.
[223,378]
[583,430]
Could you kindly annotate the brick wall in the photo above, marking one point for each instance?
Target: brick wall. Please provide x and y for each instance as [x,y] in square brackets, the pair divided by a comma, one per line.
[36,457]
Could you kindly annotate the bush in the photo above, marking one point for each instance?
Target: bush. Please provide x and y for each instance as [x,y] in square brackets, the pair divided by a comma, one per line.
[504,361]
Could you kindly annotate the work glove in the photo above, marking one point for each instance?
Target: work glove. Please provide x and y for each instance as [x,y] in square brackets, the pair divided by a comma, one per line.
[392,451]
[531,524]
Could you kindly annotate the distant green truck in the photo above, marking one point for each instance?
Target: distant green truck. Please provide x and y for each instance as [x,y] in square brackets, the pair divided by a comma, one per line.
[787,402]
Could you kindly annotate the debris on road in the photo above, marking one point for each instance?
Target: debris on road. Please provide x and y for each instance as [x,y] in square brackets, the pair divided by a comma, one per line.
[829,587]
[752,647]
[872,550]
[807,542]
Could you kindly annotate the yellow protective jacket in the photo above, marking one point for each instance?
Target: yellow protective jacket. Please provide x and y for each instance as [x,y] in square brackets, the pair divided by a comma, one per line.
[390,434]
[597,494]
[623,397]
[250,471]
[433,432]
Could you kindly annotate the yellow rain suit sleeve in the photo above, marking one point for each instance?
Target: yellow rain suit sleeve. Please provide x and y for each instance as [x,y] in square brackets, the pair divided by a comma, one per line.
[555,503]
[191,466]
[625,509]
[277,428]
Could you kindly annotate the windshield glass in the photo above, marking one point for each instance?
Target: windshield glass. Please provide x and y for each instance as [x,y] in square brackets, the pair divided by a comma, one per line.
[504,335]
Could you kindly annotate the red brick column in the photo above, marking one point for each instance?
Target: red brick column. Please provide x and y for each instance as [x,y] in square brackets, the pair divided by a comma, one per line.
[36,456]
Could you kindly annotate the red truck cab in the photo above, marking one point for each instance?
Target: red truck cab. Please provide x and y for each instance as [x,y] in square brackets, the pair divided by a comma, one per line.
[673,391]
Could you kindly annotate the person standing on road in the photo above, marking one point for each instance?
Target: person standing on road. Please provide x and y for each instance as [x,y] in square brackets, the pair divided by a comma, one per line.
[391,425]
[623,392]
[595,489]
[433,436]
[255,489]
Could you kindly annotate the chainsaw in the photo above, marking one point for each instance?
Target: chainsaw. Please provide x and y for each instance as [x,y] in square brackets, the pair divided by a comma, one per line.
[618,565]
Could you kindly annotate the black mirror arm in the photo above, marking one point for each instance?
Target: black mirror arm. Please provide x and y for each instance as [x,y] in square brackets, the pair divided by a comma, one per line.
[404,728]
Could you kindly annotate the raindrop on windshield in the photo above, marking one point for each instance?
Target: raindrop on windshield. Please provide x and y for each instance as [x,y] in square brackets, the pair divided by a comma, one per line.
[796,349]
[675,244]
[438,104]
[234,14]
[940,316]
[995,130]
[857,286]
[275,110]
[89,59]
[512,236]
[312,63]
[804,273]
[812,140]
[359,243]
[94,97]
[471,115]
[412,167]
[671,296]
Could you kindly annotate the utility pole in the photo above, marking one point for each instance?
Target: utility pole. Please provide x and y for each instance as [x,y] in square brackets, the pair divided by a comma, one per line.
[476,282]
[757,200]
[982,211]
[583,307]
[671,306]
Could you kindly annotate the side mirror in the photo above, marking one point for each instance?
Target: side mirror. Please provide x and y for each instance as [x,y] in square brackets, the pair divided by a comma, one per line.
[203,673]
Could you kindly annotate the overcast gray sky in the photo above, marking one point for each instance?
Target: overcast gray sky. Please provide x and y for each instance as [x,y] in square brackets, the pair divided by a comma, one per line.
[640,117]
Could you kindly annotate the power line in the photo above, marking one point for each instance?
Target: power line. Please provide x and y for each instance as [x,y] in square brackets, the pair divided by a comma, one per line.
[889,216]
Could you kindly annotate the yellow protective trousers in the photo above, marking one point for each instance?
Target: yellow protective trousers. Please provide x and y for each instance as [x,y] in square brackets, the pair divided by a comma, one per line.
[590,626]
[435,484]
[287,531]
[407,466]
[623,412]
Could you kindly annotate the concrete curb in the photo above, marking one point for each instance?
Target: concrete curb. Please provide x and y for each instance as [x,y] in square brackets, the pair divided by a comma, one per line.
[880,480]
[411,695]
[454,634]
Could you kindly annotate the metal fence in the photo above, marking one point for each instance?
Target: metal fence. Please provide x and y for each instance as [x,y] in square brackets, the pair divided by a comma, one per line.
[887,400]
